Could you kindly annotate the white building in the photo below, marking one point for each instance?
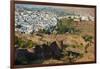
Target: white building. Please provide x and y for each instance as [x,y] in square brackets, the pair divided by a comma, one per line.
[84,18]
[33,21]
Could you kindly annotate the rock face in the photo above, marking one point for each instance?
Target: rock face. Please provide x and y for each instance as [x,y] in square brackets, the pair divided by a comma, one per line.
[23,56]
[27,21]
[40,52]
[56,52]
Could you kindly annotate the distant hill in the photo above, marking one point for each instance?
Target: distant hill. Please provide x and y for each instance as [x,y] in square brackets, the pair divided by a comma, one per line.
[60,11]
[57,11]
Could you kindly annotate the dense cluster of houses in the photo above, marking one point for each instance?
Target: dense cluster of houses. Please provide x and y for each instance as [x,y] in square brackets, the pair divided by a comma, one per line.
[32,21]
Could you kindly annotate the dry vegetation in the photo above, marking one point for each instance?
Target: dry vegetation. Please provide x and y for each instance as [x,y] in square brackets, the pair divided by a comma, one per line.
[74,43]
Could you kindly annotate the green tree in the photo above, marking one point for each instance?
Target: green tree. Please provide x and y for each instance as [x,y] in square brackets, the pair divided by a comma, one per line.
[65,25]
[21,43]
[30,44]
[88,38]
